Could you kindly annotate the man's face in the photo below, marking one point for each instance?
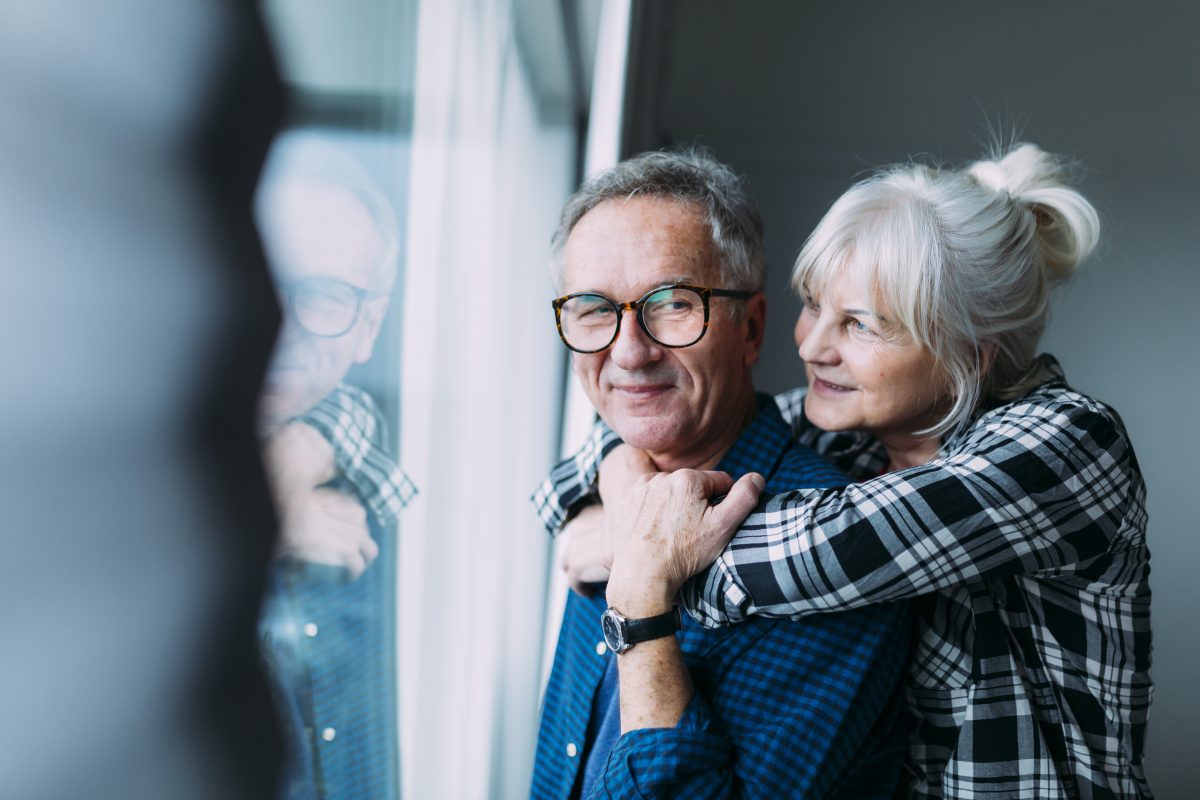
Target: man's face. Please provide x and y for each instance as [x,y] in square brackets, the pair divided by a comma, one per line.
[315,230]
[662,400]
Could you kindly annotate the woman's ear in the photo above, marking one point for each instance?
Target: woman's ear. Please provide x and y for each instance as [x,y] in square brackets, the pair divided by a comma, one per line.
[987,357]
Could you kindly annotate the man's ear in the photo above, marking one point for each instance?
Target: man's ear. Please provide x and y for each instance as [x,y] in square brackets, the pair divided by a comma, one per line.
[373,313]
[756,322]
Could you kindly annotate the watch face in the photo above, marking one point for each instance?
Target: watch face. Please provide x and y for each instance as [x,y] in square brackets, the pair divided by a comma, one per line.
[611,626]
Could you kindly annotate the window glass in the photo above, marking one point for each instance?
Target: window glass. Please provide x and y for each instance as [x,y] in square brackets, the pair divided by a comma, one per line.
[330,213]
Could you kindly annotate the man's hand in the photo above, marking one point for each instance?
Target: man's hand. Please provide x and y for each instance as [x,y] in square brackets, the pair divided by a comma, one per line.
[665,530]
[586,551]
[297,458]
[621,470]
[328,527]
[319,525]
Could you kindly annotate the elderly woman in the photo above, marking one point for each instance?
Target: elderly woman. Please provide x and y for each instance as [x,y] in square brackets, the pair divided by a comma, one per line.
[1007,505]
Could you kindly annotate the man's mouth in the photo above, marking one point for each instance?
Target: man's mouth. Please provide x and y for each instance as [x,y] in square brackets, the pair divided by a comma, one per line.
[642,391]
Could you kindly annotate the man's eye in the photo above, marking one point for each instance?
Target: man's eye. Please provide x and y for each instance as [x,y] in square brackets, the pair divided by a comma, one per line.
[672,305]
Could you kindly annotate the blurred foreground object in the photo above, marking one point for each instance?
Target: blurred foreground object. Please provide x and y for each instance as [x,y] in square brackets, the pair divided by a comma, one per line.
[137,316]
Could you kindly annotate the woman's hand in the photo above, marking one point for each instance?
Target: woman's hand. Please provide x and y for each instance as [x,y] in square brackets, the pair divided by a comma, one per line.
[586,554]
[664,530]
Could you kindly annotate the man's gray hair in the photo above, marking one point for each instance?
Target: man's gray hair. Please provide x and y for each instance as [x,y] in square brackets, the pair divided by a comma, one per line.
[299,155]
[690,175]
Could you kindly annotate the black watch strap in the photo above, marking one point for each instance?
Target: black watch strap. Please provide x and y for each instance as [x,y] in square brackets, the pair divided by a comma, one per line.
[647,628]
[621,634]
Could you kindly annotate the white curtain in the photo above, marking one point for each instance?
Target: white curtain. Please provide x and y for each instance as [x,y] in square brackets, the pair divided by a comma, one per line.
[481,396]
[603,150]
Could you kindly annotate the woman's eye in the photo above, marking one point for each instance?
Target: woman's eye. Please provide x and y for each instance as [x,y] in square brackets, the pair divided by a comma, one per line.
[858,327]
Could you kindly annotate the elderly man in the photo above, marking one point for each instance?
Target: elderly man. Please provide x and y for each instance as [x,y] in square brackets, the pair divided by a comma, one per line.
[661,263]
[327,627]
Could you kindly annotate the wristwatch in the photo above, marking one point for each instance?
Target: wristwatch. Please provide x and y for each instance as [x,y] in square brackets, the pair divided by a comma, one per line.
[620,634]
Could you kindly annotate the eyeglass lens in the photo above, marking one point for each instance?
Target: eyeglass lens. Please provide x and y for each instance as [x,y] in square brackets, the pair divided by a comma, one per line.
[673,316]
[324,307]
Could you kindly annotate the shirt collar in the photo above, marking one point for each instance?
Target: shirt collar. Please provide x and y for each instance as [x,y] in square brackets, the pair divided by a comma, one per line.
[760,445]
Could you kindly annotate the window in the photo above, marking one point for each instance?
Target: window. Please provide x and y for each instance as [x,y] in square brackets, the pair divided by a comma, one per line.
[330,209]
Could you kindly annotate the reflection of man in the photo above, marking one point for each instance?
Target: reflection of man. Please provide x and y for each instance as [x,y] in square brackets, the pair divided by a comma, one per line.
[328,626]
[661,262]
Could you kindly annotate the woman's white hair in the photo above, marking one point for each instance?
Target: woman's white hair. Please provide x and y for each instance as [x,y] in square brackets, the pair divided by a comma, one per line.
[962,261]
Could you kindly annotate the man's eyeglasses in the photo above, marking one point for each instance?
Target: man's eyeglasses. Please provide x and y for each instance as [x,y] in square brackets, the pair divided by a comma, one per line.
[325,307]
[673,316]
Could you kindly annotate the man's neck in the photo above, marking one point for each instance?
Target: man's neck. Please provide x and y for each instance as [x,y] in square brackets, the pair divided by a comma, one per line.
[708,453]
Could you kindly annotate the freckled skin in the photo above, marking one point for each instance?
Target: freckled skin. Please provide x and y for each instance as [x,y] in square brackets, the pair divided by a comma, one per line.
[622,249]
[695,404]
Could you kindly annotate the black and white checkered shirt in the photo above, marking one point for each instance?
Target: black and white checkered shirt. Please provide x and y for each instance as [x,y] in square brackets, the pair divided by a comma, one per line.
[1024,545]
[353,425]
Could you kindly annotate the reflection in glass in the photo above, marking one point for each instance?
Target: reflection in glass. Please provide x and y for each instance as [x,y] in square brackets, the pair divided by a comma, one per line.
[324,306]
[328,622]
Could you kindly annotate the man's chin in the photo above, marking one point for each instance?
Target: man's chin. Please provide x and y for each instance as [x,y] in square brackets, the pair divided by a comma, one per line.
[652,434]
[276,409]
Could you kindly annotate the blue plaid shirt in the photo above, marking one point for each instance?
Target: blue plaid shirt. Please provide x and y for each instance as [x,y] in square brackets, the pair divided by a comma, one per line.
[782,708]
[329,643]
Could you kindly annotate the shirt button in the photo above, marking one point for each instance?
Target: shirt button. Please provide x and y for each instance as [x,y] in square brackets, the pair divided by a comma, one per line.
[310,630]
[572,750]
[328,734]
[601,648]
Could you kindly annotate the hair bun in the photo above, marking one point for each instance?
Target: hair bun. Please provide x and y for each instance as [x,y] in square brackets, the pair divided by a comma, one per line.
[1068,226]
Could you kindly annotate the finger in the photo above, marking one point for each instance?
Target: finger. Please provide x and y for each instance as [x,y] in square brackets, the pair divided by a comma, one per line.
[355,565]
[726,517]
[593,573]
[580,587]
[639,461]
[713,483]
[562,546]
[370,550]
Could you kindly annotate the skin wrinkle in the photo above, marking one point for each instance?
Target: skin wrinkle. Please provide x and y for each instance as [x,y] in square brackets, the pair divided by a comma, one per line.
[893,387]
[701,398]
[624,249]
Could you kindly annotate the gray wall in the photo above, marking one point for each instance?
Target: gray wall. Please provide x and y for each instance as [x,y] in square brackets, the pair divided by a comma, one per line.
[803,98]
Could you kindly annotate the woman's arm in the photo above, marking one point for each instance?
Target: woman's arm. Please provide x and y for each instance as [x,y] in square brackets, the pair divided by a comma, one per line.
[1035,487]
[572,484]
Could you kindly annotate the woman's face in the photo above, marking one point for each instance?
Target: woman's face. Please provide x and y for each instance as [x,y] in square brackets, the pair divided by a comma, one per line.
[864,372]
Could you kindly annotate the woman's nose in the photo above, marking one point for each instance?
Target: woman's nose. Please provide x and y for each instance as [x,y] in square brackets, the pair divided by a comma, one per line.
[813,338]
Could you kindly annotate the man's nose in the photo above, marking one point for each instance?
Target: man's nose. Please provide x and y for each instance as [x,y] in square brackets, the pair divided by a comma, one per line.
[633,348]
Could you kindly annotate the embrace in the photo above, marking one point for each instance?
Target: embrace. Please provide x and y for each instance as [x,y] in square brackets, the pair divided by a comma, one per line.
[923,575]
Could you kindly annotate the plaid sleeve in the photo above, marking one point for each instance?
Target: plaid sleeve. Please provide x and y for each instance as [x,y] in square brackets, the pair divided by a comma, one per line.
[791,407]
[787,720]
[572,481]
[352,424]
[1034,487]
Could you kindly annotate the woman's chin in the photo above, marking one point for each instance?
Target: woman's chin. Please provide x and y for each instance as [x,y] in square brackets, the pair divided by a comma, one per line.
[829,415]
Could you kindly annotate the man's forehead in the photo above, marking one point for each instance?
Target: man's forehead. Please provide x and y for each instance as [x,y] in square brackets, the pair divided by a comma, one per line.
[313,229]
[637,244]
